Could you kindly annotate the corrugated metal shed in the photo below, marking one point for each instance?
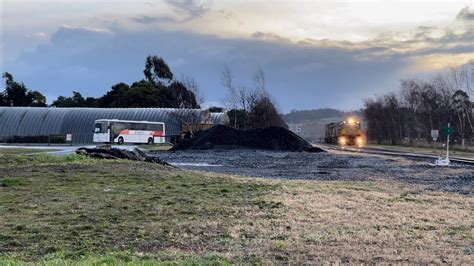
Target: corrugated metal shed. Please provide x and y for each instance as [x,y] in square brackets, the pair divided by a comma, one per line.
[39,121]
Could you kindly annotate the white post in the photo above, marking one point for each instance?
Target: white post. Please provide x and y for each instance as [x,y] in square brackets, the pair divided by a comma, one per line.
[447,144]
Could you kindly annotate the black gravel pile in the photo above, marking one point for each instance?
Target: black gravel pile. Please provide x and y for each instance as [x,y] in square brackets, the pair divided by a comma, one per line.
[135,155]
[224,137]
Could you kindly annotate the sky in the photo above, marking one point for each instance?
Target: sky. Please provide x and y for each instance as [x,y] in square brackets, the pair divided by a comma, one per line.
[314,53]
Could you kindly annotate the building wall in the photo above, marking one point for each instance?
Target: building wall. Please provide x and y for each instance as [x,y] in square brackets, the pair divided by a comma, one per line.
[39,121]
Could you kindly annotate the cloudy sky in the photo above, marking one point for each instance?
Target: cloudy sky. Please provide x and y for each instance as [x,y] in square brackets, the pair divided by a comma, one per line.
[314,53]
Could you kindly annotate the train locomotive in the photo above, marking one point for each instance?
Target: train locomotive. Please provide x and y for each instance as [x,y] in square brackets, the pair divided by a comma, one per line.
[347,132]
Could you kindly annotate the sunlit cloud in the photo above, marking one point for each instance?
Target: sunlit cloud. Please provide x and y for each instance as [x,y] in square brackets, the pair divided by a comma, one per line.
[436,62]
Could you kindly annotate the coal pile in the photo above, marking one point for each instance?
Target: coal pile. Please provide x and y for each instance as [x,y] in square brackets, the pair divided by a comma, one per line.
[112,153]
[224,137]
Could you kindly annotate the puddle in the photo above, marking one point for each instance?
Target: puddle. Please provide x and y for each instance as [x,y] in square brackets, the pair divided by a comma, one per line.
[194,164]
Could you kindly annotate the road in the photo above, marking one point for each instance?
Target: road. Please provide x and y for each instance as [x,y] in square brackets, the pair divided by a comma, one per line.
[331,165]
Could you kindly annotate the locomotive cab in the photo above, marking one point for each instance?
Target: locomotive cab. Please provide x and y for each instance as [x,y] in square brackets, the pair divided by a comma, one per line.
[347,132]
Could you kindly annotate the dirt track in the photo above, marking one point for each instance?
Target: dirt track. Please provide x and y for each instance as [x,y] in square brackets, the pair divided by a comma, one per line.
[326,166]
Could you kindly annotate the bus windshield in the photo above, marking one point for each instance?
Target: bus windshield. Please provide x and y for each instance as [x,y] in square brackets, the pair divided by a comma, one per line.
[100,128]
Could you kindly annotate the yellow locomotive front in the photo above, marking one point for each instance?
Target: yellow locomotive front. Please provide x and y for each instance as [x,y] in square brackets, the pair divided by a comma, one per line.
[347,132]
[350,133]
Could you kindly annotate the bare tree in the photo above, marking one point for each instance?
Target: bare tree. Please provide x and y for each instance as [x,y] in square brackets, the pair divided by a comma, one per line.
[251,107]
[247,99]
[263,113]
[192,120]
[420,106]
[457,79]
[192,86]
[227,79]
[463,109]
[259,80]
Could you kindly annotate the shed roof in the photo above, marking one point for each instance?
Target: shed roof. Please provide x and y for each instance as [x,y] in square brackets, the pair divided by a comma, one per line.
[41,121]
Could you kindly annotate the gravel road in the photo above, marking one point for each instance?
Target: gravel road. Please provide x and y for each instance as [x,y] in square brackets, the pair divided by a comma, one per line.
[334,165]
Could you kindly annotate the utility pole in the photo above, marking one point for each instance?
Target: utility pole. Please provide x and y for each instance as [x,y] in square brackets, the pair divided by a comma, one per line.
[447,144]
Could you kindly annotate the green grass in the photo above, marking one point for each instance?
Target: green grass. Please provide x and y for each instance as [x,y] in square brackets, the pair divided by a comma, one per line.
[74,207]
[43,159]
[15,151]
[15,181]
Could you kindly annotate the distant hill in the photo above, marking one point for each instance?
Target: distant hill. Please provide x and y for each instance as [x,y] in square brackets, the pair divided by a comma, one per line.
[297,116]
[312,122]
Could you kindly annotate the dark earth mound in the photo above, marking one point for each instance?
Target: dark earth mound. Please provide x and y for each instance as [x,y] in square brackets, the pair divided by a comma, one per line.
[224,137]
[112,153]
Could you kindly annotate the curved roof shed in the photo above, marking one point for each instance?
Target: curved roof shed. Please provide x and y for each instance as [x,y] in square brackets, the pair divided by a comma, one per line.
[40,121]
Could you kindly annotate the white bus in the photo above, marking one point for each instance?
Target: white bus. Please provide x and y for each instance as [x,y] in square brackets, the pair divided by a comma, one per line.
[123,131]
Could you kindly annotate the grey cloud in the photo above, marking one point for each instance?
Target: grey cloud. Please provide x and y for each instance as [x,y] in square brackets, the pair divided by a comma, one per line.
[152,19]
[68,36]
[186,10]
[228,15]
[389,45]
[424,32]
[191,8]
[452,38]
[150,3]
[465,14]
[268,36]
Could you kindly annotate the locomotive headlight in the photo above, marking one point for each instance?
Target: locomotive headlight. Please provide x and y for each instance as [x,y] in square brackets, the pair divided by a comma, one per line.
[351,121]
[359,141]
[342,140]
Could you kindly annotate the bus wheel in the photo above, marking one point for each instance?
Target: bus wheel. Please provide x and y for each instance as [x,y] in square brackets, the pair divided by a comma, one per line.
[120,140]
[150,141]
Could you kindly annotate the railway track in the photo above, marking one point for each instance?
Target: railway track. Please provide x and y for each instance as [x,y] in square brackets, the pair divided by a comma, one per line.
[390,152]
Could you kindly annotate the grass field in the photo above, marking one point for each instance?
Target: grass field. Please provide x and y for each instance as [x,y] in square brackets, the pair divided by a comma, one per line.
[12,151]
[80,211]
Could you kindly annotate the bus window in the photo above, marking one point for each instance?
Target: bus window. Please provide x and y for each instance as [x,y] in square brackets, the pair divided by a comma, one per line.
[100,128]
[97,128]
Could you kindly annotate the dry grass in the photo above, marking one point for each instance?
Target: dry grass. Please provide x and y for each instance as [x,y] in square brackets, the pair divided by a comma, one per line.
[155,147]
[367,222]
[84,211]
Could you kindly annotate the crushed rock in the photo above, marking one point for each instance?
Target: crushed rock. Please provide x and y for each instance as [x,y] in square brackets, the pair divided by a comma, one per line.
[225,137]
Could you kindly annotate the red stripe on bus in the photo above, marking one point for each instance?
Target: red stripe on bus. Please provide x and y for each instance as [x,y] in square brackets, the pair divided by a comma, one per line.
[124,132]
[157,133]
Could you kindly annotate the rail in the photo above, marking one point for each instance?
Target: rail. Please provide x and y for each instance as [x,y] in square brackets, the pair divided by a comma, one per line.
[390,152]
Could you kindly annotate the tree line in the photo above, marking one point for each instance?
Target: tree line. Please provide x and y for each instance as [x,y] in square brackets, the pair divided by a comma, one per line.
[17,94]
[158,89]
[248,107]
[420,106]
